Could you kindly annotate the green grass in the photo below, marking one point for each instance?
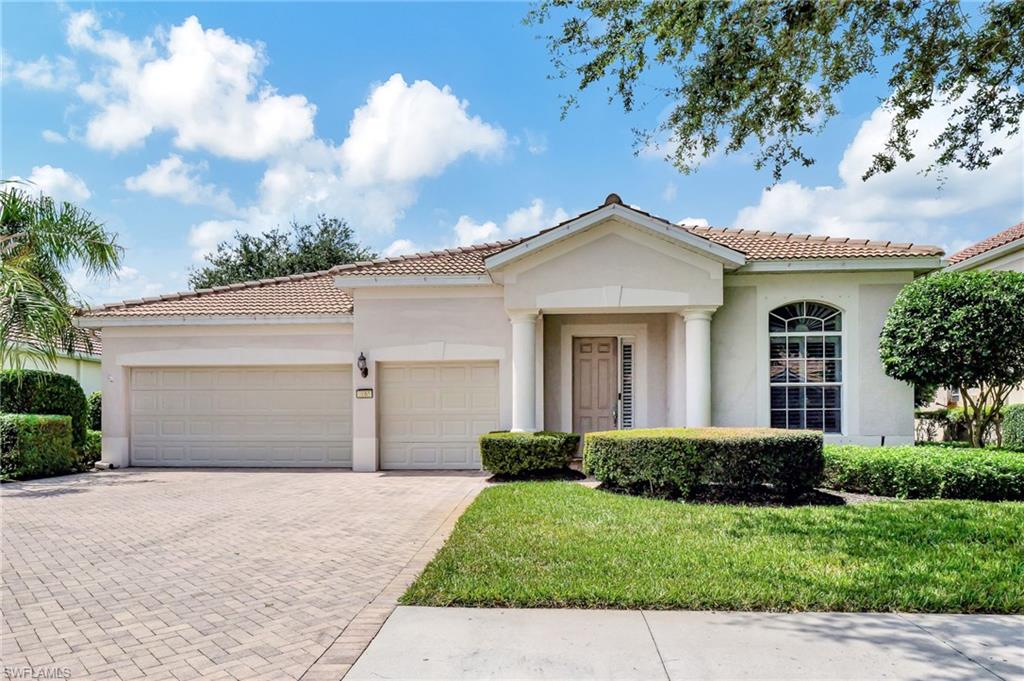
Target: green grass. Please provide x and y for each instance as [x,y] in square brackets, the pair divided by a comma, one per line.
[552,544]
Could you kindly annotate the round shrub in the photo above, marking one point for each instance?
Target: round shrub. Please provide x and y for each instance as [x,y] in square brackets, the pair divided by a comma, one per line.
[93,450]
[524,453]
[44,392]
[926,472]
[1013,427]
[33,446]
[94,404]
[673,461]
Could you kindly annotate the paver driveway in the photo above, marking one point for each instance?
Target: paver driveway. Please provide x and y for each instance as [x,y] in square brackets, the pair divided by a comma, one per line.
[185,574]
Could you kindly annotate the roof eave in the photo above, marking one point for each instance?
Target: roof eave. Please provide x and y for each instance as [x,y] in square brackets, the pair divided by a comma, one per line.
[729,257]
[106,321]
[987,256]
[914,263]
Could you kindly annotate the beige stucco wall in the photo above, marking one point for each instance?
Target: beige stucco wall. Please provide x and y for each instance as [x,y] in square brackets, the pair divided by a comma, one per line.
[426,325]
[205,345]
[649,329]
[84,370]
[612,265]
[873,404]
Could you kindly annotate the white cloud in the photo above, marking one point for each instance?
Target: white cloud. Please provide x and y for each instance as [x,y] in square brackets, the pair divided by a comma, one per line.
[200,84]
[903,205]
[43,74]
[127,283]
[204,237]
[174,178]
[400,247]
[669,192]
[56,183]
[536,142]
[405,132]
[526,220]
[54,137]
[693,222]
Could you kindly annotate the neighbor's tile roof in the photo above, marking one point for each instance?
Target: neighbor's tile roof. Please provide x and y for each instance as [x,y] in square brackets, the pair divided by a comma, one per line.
[295,295]
[86,341]
[1004,237]
[316,294]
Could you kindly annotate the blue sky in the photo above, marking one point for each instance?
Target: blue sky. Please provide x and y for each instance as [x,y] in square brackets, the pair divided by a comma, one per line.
[424,125]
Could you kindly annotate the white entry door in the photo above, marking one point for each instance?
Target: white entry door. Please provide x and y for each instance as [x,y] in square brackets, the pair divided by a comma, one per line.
[431,415]
[242,416]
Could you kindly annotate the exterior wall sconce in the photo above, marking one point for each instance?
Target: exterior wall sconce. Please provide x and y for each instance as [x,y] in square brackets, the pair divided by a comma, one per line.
[361,363]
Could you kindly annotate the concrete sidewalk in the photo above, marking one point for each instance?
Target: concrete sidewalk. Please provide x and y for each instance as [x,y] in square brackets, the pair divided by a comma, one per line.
[467,643]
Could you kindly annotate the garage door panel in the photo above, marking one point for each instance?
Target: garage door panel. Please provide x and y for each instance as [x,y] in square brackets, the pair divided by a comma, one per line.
[245,416]
[431,415]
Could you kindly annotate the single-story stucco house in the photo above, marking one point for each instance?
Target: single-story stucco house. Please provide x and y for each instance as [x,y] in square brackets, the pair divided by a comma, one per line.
[613,319]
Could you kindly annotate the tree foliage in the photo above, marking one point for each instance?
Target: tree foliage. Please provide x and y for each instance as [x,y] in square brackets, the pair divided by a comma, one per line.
[303,248]
[963,329]
[40,240]
[768,74]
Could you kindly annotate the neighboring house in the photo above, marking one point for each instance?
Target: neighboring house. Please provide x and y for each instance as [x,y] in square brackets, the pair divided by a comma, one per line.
[83,363]
[613,319]
[1003,251]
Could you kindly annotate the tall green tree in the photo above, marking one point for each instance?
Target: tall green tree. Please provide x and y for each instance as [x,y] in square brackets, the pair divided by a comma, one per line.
[305,247]
[753,73]
[963,329]
[40,241]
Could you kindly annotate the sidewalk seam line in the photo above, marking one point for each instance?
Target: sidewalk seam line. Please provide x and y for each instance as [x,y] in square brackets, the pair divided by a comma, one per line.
[650,632]
[949,645]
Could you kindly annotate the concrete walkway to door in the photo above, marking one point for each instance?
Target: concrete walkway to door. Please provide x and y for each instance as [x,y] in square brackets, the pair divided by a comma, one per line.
[463,643]
[215,574]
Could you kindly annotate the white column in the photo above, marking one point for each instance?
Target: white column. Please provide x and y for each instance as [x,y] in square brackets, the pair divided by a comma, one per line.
[524,371]
[676,388]
[698,366]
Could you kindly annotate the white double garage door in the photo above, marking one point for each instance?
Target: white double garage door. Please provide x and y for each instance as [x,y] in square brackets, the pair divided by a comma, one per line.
[429,415]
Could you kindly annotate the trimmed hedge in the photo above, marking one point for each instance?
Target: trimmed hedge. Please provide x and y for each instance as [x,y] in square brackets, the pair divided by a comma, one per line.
[672,462]
[1013,427]
[33,445]
[94,404]
[43,392]
[92,451]
[524,453]
[925,472]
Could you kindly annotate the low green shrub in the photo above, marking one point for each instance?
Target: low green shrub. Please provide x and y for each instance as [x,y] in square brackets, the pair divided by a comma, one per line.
[673,461]
[92,451]
[94,404]
[42,392]
[33,445]
[925,472]
[523,453]
[1013,427]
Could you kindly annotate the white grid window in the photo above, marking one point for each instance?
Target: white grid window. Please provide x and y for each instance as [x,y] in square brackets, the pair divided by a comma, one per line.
[806,366]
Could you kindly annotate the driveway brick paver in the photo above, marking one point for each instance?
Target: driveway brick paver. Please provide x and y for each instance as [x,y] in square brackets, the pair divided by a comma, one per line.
[184,574]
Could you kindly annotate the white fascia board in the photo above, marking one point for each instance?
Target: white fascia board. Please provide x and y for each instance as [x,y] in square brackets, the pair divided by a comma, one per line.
[366,281]
[208,320]
[727,256]
[987,256]
[84,357]
[916,264]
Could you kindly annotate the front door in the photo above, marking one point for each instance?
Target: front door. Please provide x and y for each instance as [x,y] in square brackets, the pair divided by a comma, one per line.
[595,384]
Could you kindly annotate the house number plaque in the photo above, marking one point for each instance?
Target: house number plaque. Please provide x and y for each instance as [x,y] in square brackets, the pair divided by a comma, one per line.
[364,393]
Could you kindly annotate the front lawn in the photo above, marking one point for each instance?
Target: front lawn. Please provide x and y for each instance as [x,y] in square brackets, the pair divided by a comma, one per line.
[554,544]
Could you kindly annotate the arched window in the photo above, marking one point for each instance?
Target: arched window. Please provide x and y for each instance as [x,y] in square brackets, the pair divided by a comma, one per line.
[806,371]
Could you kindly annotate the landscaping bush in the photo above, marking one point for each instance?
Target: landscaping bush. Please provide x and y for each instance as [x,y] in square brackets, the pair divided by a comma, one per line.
[43,392]
[92,451]
[33,445]
[672,462]
[1013,427]
[524,453]
[925,472]
[94,404]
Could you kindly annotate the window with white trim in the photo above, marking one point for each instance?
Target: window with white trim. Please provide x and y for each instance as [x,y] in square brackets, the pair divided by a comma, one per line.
[806,366]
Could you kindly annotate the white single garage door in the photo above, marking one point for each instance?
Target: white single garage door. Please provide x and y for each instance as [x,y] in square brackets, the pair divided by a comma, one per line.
[242,416]
[432,414]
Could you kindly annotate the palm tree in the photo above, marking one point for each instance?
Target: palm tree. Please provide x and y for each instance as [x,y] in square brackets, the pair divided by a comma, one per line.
[39,242]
